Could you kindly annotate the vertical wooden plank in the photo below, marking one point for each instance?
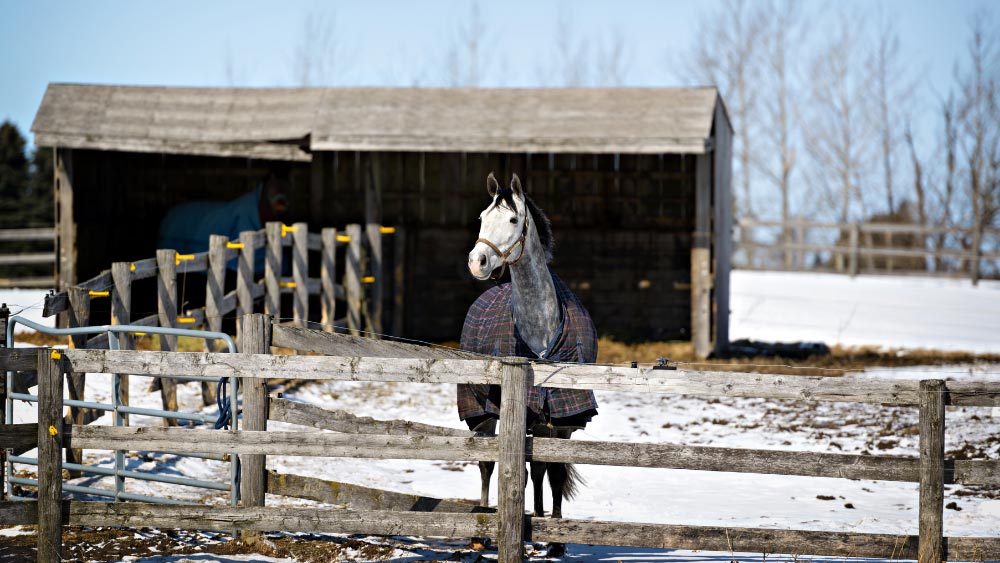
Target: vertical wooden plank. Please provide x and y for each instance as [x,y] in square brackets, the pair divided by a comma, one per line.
[272,270]
[50,432]
[328,278]
[516,379]
[256,340]
[375,305]
[701,278]
[300,274]
[65,244]
[931,526]
[722,179]
[317,176]
[352,279]
[399,281]
[215,290]
[121,314]
[166,310]
[78,315]
[245,278]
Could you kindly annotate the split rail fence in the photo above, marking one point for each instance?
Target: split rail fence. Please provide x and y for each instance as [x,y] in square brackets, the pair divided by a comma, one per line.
[365,360]
[35,235]
[867,248]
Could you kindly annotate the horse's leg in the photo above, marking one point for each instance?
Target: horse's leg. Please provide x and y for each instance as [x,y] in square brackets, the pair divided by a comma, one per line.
[537,478]
[558,476]
[485,473]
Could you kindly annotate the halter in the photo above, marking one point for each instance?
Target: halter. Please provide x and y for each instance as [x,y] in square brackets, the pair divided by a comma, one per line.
[505,255]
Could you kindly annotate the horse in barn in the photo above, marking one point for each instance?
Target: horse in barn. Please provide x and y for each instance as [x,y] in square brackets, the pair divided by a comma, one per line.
[534,316]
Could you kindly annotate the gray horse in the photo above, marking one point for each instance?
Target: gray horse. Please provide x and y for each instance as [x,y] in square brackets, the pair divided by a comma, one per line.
[534,316]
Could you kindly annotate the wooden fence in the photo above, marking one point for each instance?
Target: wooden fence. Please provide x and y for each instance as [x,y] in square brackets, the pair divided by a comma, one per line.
[43,234]
[867,248]
[360,283]
[510,448]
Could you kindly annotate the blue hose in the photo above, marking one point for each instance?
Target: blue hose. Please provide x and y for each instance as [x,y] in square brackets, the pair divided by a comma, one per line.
[225,406]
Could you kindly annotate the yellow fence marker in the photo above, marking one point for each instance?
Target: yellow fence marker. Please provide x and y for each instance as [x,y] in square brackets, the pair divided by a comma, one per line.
[179,257]
[186,320]
[99,293]
[236,245]
[285,229]
[131,267]
[368,279]
[52,431]
[343,238]
[287,284]
[387,230]
[56,355]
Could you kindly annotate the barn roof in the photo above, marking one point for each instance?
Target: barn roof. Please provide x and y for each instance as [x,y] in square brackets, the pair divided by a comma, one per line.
[287,123]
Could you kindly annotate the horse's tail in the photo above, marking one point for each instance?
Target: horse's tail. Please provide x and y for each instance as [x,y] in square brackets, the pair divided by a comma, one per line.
[574,482]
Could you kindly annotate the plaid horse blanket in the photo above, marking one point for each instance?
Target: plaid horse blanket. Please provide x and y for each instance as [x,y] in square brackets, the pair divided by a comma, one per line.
[489,329]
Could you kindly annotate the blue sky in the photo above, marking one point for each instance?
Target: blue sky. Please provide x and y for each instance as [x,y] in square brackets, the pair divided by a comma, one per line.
[388,42]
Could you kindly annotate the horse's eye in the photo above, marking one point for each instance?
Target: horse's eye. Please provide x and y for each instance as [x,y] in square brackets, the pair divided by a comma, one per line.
[513,220]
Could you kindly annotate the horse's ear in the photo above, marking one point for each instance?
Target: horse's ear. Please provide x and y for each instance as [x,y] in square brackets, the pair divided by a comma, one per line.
[492,187]
[515,186]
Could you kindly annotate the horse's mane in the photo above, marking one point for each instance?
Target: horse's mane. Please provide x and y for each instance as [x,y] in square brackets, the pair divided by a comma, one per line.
[542,223]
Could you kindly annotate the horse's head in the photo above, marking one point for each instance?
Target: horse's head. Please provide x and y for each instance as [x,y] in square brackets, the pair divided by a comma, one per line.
[506,228]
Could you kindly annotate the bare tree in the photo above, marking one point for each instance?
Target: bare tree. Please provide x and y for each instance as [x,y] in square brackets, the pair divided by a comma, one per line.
[838,136]
[612,60]
[729,61]
[467,58]
[978,130]
[318,57]
[783,35]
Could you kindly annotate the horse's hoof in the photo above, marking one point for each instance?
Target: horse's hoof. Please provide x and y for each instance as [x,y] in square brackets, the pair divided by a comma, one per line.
[480,544]
[556,550]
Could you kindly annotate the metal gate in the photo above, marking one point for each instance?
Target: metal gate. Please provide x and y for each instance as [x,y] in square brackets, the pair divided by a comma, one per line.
[228,411]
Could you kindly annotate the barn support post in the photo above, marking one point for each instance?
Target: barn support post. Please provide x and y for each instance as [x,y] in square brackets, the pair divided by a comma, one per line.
[352,279]
[701,260]
[244,278]
[272,270]
[300,274]
[931,547]
[78,315]
[253,479]
[121,307]
[50,440]
[215,291]
[64,219]
[328,278]
[516,379]
[398,281]
[723,226]
[166,309]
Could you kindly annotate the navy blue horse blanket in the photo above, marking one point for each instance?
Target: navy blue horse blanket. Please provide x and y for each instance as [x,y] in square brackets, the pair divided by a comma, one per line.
[489,329]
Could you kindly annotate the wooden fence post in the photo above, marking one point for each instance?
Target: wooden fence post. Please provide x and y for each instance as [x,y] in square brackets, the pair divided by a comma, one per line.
[166,309]
[300,274]
[244,279]
[517,377]
[375,305]
[932,412]
[256,340]
[272,271]
[853,262]
[352,279]
[215,291]
[328,279]
[121,306]
[79,315]
[50,434]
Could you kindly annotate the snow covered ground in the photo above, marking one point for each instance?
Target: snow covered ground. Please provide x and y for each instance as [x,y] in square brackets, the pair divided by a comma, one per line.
[891,312]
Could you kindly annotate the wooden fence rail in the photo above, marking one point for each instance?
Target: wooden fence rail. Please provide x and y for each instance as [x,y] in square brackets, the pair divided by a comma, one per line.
[388,439]
[43,234]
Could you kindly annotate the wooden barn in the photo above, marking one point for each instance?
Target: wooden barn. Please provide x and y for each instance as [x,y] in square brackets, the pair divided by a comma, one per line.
[635,181]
